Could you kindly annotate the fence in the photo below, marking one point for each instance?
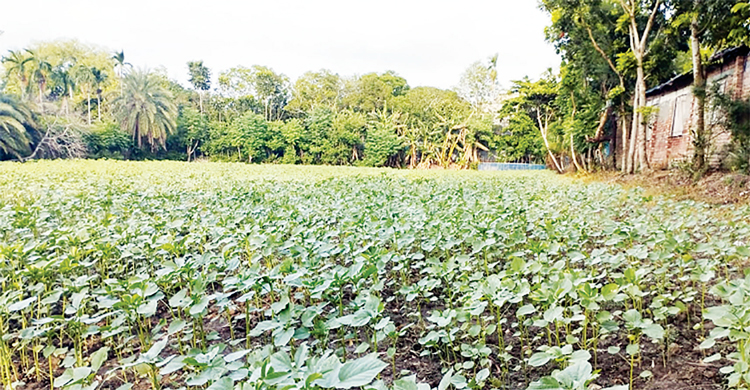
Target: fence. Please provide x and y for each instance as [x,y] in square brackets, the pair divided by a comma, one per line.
[510,167]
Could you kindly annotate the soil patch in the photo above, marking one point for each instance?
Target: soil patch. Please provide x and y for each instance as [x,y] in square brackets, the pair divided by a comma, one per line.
[713,188]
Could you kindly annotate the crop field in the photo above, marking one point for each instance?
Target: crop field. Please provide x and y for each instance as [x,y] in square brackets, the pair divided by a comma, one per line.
[165,275]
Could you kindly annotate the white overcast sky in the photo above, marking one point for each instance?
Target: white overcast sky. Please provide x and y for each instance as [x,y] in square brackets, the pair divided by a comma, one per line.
[426,42]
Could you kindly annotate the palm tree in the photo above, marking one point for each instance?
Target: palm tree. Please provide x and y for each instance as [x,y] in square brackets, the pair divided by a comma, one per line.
[16,126]
[146,109]
[40,75]
[64,82]
[120,63]
[99,78]
[17,64]
[85,79]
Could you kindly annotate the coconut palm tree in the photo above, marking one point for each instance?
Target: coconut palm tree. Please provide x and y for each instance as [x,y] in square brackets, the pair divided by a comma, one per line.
[16,63]
[146,109]
[41,74]
[16,126]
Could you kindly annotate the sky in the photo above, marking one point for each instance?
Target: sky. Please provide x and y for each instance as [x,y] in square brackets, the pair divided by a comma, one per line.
[430,43]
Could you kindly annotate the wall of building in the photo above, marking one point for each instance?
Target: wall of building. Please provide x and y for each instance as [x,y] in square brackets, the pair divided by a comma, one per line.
[669,136]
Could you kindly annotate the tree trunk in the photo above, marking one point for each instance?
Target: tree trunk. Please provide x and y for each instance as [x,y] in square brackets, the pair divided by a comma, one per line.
[99,106]
[699,90]
[200,101]
[624,141]
[41,97]
[543,129]
[633,132]
[88,113]
[638,44]
[642,155]
[573,154]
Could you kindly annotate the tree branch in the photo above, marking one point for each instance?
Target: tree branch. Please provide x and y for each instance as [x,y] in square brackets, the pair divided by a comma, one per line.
[604,55]
[650,23]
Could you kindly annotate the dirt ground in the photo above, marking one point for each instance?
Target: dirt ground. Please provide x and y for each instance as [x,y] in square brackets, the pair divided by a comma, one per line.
[714,187]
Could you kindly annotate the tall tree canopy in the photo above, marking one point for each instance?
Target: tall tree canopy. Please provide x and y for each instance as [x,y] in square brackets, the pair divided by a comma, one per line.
[146,109]
[200,78]
[17,127]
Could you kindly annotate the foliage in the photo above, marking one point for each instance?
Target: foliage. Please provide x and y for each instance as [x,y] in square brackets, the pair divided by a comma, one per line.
[734,115]
[233,276]
[374,92]
[266,86]
[107,140]
[200,75]
[479,85]
[17,127]
[192,130]
[315,89]
[382,140]
[145,109]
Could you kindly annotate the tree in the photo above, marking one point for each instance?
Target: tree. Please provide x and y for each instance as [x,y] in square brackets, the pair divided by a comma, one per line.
[16,65]
[99,78]
[85,80]
[586,34]
[146,109]
[537,100]
[639,43]
[292,132]
[64,84]
[518,139]
[479,86]
[431,117]
[260,82]
[17,127]
[314,89]
[272,89]
[345,137]
[373,92]
[200,78]
[739,32]
[249,136]
[709,24]
[382,142]
[192,128]
[120,64]
[42,70]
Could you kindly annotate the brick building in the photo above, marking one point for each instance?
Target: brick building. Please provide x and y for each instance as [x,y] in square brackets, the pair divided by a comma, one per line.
[669,137]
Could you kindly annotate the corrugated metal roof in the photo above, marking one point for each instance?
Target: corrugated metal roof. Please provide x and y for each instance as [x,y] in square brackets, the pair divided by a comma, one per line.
[686,79]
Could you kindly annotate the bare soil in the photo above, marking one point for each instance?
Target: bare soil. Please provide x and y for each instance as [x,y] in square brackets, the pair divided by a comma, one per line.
[713,188]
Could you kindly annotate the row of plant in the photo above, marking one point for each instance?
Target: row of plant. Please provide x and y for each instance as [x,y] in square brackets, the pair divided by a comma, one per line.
[228,276]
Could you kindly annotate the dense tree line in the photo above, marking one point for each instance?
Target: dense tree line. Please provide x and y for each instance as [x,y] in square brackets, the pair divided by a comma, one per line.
[96,104]
[66,99]
[613,51]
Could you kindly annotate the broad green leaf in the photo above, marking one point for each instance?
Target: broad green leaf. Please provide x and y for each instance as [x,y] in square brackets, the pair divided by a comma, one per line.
[225,383]
[545,383]
[21,304]
[408,383]
[539,359]
[359,372]
[525,310]
[98,358]
[446,380]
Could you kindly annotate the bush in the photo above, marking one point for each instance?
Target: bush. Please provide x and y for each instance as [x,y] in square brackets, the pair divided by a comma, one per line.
[107,140]
[735,114]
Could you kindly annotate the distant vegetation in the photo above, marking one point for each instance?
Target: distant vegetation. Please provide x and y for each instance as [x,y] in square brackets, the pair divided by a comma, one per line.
[67,99]
[98,105]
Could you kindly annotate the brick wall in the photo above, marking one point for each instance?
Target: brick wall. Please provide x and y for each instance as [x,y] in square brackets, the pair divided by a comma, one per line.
[664,147]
